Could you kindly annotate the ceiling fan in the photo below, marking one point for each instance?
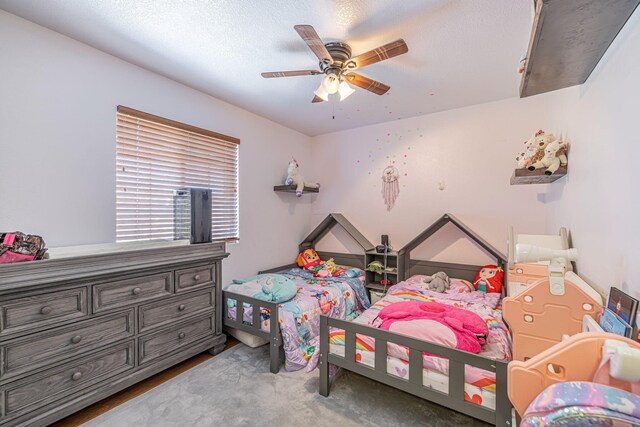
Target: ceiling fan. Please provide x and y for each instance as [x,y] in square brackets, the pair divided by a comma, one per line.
[337,65]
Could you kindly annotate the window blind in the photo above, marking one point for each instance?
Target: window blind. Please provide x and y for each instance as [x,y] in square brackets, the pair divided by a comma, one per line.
[155,157]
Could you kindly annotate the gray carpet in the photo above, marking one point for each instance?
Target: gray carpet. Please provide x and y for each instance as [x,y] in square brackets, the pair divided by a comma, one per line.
[236,388]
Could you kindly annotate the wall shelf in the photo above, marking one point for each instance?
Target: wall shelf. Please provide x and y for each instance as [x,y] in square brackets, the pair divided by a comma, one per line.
[292,189]
[568,40]
[525,176]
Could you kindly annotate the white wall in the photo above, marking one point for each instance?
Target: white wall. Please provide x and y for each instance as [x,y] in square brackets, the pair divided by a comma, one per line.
[58,101]
[470,150]
[600,199]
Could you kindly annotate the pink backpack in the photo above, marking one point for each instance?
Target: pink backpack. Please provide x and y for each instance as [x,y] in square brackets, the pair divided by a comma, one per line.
[19,247]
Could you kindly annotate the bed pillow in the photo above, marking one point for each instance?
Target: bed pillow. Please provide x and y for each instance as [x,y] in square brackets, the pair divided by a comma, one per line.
[346,271]
[489,279]
[266,287]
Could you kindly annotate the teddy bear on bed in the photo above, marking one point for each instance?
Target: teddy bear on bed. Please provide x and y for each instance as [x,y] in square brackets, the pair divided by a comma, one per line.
[438,282]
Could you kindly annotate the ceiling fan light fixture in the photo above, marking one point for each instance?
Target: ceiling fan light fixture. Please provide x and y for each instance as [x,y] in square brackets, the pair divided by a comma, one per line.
[321,92]
[331,83]
[345,90]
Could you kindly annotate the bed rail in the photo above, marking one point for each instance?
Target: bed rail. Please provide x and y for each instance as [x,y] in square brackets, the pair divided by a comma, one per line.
[457,361]
[273,336]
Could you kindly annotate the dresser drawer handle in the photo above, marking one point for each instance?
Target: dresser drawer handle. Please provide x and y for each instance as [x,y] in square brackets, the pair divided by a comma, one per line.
[196,277]
[181,307]
[181,335]
[136,291]
[76,339]
[46,310]
[76,376]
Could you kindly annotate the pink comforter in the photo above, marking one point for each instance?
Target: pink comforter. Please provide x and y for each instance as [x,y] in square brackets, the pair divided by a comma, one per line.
[437,323]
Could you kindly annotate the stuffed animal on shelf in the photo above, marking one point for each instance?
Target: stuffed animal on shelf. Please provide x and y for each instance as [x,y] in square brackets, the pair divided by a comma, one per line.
[376,267]
[534,149]
[438,282]
[555,155]
[489,279]
[294,178]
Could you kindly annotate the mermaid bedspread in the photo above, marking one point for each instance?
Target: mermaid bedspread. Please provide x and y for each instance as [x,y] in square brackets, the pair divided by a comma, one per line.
[299,318]
[461,295]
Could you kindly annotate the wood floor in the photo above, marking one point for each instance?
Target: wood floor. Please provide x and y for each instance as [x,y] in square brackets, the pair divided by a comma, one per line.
[135,390]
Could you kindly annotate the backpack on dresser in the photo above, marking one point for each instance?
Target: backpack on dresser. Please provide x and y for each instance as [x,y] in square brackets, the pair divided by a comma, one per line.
[19,247]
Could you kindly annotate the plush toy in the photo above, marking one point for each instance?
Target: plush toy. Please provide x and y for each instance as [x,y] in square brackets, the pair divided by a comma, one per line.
[325,269]
[376,267]
[308,259]
[489,279]
[294,178]
[555,154]
[438,282]
[534,149]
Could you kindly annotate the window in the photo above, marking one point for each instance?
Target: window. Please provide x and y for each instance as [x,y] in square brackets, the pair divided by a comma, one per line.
[155,158]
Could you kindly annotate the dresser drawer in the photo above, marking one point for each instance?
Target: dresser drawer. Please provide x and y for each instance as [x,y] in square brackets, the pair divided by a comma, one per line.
[42,310]
[49,386]
[166,341]
[196,277]
[45,348]
[131,291]
[163,313]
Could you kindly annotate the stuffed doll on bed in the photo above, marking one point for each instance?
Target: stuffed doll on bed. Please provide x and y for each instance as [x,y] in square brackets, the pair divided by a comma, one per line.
[310,260]
[489,279]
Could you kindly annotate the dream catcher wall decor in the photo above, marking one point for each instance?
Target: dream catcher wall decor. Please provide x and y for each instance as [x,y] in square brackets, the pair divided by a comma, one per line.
[390,186]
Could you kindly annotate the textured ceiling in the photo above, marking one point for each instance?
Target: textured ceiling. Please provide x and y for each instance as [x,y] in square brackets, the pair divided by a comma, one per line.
[461,52]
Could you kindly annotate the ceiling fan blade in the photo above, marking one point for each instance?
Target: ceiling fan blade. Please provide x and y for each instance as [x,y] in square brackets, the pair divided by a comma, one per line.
[366,83]
[314,42]
[316,98]
[273,74]
[386,51]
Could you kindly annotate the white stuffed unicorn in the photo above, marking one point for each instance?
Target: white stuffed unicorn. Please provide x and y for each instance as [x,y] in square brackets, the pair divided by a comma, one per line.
[294,178]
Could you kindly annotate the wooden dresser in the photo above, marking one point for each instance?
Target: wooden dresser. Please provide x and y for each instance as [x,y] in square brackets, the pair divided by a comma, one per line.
[78,328]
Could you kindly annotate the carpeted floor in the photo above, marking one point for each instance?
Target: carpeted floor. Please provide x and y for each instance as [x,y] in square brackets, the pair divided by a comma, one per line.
[236,389]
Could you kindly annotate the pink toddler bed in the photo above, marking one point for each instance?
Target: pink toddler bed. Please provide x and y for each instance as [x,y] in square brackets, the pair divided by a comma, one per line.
[480,384]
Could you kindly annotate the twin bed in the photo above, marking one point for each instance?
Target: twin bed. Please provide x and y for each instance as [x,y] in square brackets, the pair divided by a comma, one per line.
[346,334]
[294,325]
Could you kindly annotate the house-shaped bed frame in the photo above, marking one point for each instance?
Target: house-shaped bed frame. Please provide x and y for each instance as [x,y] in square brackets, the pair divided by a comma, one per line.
[273,334]
[407,267]
[454,399]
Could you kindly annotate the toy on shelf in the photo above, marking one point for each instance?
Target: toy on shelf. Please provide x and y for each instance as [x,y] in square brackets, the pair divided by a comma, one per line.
[555,155]
[534,149]
[553,306]
[595,357]
[295,178]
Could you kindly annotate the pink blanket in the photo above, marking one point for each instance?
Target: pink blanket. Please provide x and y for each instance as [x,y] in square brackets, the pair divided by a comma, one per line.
[438,323]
